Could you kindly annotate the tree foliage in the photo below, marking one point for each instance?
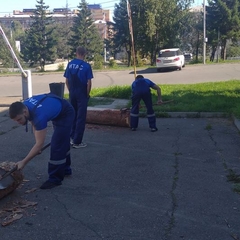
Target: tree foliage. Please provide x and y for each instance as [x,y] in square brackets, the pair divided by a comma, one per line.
[156,24]
[223,22]
[5,55]
[39,46]
[62,34]
[120,29]
[85,33]
[12,34]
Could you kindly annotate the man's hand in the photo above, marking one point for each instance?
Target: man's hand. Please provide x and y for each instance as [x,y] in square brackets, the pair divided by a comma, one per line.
[20,165]
[40,152]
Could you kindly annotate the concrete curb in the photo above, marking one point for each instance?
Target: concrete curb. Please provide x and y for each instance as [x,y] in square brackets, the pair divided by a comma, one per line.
[197,114]
[121,103]
[236,122]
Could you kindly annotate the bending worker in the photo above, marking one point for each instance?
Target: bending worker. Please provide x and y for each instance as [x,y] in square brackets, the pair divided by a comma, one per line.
[39,110]
[141,90]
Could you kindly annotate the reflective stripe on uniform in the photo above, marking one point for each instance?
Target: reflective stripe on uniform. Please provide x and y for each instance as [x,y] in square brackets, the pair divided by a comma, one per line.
[57,162]
[134,115]
[151,115]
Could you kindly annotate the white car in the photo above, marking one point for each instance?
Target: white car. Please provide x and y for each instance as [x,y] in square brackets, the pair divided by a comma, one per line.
[171,58]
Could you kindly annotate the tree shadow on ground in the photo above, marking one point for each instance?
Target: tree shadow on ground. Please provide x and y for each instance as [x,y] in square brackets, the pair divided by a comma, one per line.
[150,71]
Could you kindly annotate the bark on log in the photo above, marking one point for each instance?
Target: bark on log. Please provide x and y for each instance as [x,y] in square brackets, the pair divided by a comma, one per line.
[17,177]
[112,117]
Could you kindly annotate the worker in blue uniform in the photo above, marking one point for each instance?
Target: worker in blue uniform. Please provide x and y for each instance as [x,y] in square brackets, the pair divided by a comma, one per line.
[39,110]
[79,76]
[141,90]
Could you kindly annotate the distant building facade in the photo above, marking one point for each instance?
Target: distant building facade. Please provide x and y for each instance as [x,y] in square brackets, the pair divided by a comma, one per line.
[100,17]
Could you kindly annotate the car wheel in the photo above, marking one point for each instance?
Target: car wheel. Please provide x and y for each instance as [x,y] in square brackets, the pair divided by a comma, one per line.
[180,68]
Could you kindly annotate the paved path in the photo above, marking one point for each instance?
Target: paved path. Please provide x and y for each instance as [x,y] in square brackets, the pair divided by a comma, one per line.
[12,85]
[168,185]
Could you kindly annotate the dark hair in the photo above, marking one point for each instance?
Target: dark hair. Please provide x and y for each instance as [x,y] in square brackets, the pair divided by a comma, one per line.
[139,76]
[15,109]
[81,51]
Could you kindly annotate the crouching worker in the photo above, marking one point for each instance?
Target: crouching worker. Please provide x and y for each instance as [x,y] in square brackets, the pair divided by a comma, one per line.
[141,90]
[39,110]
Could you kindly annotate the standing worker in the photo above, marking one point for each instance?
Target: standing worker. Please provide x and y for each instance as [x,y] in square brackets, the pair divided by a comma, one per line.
[39,110]
[141,90]
[79,76]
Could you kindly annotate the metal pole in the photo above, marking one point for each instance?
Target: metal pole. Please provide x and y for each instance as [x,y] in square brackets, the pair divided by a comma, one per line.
[26,75]
[105,35]
[218,46]
[12,52]
[131,33]
[204,31]
[105,49]
[105,53]
[27,85]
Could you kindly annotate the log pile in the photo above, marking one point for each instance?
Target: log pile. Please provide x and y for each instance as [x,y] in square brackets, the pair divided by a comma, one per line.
[111,117]
[17,178]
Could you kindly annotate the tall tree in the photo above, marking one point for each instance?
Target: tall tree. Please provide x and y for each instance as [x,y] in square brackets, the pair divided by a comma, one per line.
[120,28]
[85,33]
[12,34]
[192,33]
[156,24]
[63,33]
[39,45]
[223,19]
[6,60]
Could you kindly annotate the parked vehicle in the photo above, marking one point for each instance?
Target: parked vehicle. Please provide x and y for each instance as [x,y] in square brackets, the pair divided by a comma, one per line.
[171,58]
[188,57]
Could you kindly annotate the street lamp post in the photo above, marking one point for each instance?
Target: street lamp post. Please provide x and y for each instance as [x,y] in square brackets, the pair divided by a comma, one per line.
[105,45]
[131,33]
[204,32]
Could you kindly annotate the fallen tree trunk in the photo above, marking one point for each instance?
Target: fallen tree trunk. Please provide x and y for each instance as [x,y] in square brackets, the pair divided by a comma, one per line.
[112,117]
[15,179]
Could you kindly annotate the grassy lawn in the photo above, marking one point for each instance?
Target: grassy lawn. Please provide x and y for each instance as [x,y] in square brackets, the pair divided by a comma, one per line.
[201,97]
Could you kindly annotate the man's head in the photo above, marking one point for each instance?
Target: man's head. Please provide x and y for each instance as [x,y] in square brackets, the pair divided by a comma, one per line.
[139,76]
[18,112]
[81,52]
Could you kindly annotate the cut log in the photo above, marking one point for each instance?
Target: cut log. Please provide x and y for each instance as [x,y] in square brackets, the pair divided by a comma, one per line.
[112,117]
[17,178]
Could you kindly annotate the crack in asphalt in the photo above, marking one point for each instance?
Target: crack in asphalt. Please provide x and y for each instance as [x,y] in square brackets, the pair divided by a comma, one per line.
[226,168]
[77,220]
[171,212]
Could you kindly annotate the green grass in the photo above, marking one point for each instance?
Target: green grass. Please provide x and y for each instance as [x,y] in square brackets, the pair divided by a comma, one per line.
[99,101]
[201,97]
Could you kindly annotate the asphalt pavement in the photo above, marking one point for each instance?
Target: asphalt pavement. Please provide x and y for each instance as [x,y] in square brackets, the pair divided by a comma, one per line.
[167,185]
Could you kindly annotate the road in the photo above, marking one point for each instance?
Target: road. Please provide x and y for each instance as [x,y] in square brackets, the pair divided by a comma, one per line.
[12,85]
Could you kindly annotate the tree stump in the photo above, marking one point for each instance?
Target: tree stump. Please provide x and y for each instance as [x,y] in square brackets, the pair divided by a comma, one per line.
[17,178]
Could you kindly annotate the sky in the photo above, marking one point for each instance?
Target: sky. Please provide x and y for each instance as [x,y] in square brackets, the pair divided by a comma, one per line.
[8,7]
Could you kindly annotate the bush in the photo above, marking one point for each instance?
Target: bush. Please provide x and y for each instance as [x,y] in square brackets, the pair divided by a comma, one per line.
[233,51]
[60,67]
[4,70]
[140,62]
[112,64]
[98,64]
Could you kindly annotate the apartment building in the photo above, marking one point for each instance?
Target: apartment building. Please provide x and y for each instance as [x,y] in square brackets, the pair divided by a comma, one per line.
[100,17]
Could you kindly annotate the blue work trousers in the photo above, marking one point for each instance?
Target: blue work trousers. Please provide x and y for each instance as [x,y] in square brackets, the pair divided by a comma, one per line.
[134,114]
[60,158]
[79,104]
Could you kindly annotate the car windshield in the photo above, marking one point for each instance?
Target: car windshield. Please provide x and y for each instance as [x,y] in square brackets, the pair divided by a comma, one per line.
[167,54]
